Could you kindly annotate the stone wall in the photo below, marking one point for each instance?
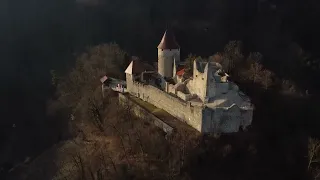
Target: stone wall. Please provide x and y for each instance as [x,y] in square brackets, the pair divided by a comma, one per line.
[221,88]
[144,114]
[198,84]
[226,120]
[165,61]
[170,88]
[184,111]
[183,96]
[206,120]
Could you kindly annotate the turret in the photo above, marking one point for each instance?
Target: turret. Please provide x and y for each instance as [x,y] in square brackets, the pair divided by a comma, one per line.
[210,88]
[168,50]
[204,81]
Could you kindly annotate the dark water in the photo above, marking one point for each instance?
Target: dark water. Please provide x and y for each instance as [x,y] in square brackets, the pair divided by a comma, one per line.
[38,36]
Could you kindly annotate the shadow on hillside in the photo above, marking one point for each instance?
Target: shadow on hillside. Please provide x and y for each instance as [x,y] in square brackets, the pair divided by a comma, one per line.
[250,156]
[55,129]
[275,147]
[43,167]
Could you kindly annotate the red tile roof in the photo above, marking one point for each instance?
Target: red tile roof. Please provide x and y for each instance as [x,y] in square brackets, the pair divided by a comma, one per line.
[137,66]
[168,41]
[103,79]
[181,72]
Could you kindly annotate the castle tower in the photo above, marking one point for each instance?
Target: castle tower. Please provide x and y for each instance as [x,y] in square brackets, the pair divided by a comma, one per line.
[210,82]
[168,51]
[204,80]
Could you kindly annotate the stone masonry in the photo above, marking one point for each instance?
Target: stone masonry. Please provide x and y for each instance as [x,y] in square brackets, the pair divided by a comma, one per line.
[207,101]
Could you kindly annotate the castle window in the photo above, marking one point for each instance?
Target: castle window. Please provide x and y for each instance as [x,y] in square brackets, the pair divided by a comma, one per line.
[202,79]
[196,75]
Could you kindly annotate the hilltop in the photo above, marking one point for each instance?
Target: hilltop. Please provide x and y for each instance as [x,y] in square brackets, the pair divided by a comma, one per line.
[106,141]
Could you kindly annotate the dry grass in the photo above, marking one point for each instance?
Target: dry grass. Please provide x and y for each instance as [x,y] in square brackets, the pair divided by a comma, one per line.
[164,116]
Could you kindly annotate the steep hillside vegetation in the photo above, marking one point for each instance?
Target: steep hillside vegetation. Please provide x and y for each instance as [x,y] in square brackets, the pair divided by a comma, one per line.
[107,142]
[39,36]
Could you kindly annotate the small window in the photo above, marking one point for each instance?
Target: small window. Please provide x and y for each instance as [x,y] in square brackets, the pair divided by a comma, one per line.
[202,78]
[170,49]
[196,75]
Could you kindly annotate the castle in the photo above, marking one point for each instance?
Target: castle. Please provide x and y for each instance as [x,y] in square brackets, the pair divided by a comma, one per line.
[205,100]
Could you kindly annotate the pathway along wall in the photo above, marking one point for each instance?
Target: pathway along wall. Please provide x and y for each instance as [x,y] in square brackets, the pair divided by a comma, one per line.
[144,114]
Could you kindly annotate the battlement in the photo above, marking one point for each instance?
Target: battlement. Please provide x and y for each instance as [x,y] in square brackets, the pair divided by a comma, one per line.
[196,114]
[207,101]
[180,109]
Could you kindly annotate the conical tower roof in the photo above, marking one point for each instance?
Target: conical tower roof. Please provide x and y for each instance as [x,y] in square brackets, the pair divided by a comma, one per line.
[168,41]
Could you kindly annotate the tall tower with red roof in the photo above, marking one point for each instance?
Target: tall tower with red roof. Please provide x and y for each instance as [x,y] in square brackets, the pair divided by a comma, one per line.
[168,53]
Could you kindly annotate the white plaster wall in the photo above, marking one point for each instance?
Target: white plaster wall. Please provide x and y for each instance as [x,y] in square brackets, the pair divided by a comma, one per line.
[165,61]
[129,82]
[189,86]
[203,84]
[178,79]
[198,85]
[192,115]
[221,120]
[174,72]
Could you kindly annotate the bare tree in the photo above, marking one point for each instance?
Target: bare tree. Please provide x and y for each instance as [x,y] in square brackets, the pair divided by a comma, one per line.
[95,109]
[289,86]
[232,56]
[90,67]
[79,163]
[105,160]
[54,78]
[122,141]
[189,64]
[216,58]
[314,157]
[254,73]
[254,57]
[266,78]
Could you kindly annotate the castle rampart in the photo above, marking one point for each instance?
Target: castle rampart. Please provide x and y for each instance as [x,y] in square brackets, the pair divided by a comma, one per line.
[207,101]
[183,111]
